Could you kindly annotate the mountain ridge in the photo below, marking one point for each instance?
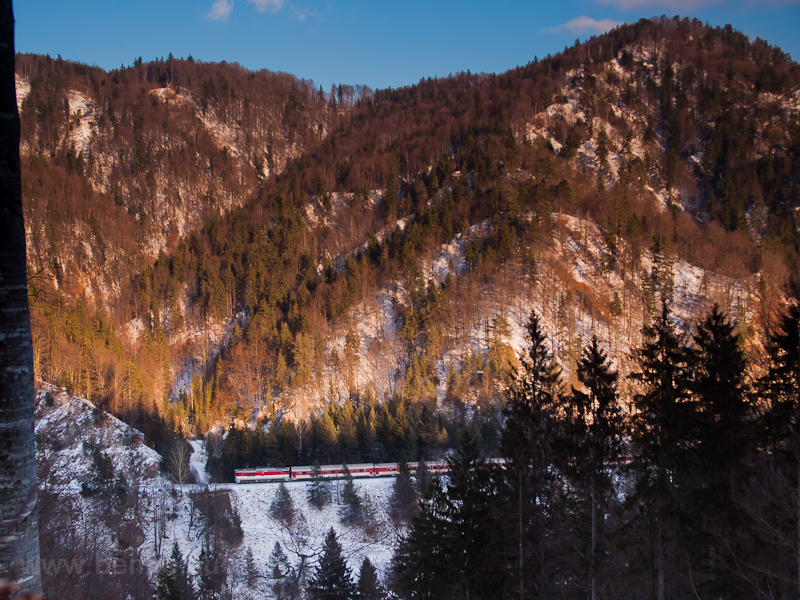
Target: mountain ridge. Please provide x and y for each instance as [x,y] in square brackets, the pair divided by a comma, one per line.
[663,155]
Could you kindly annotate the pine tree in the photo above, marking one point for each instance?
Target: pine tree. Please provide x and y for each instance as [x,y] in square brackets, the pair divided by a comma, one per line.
[779,433]
[332,579]
[722,441]
[251,570]
[352,510]
[167,586]
[319,493]
[404,434]
[173,578]
[528,422]
[348,433]
[326,435]
[368,433]
[422,477]
[403,501]
[721,410]
[282,507]
[281,574]
[369,516]
[781,387]
[426,544]
[659,427]
[210,575]
[588,445]
[452,548]
[369,586]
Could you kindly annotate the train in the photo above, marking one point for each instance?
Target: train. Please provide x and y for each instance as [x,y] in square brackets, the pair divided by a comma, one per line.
[361,470]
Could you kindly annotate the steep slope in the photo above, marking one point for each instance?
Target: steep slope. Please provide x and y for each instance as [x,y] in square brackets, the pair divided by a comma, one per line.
[120,165]
[399,257]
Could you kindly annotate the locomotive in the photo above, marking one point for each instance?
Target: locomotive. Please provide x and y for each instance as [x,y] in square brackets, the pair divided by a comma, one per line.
[362,470]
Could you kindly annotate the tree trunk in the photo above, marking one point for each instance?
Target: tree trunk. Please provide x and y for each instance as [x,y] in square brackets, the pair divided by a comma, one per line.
[521,554]
[660,529]
[660,557]
[19,530]
[593,563]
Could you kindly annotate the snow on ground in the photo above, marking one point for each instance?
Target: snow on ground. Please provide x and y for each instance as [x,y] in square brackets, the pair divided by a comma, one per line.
[224,136]
[575,263]
[449,260]
[69,429]
[198,461]
[23,89]
[81,111]
[261,531]
[133,329]
[252,504]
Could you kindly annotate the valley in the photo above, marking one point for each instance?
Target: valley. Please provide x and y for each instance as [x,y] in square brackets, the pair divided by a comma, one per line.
[589,258]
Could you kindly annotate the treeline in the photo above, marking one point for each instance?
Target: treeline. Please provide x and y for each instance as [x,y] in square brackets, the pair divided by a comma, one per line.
[358,430]
[691,490]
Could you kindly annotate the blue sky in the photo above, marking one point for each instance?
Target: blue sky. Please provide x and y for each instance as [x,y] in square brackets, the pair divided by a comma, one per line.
[378,43]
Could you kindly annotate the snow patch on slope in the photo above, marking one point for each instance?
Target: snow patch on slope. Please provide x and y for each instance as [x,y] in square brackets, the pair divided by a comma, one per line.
[81,111]
[23,89]
[69,429]
[573,296]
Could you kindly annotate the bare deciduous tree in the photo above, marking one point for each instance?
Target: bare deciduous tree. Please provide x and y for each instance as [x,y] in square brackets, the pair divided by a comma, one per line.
[178,462]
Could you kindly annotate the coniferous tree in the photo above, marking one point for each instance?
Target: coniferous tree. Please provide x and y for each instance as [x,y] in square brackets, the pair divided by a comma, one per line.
[251,570]
[332,579]
[348,434]
[452,548]
[167,585]
[403,501]
[368,433]
[281,574]
[173,578]
[781,386]
[319,493]
[326,435]
[282,507]
[352,510]
[525,438]
[659,428]
[721,409]
[779,435]
[588,445]
[429,431]
[422,477]
[723,437]
[369,586]
[210,575]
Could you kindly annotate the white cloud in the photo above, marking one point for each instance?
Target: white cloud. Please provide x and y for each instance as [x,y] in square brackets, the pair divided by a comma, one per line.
[300,13]
[221,10]
[273,5]
[581,25]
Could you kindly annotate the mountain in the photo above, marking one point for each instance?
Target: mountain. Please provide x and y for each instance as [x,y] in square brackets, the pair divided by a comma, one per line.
[214,246]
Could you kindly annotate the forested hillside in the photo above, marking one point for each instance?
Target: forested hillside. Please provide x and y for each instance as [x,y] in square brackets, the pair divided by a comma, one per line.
[352,271]
[685,488]
[587,265]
